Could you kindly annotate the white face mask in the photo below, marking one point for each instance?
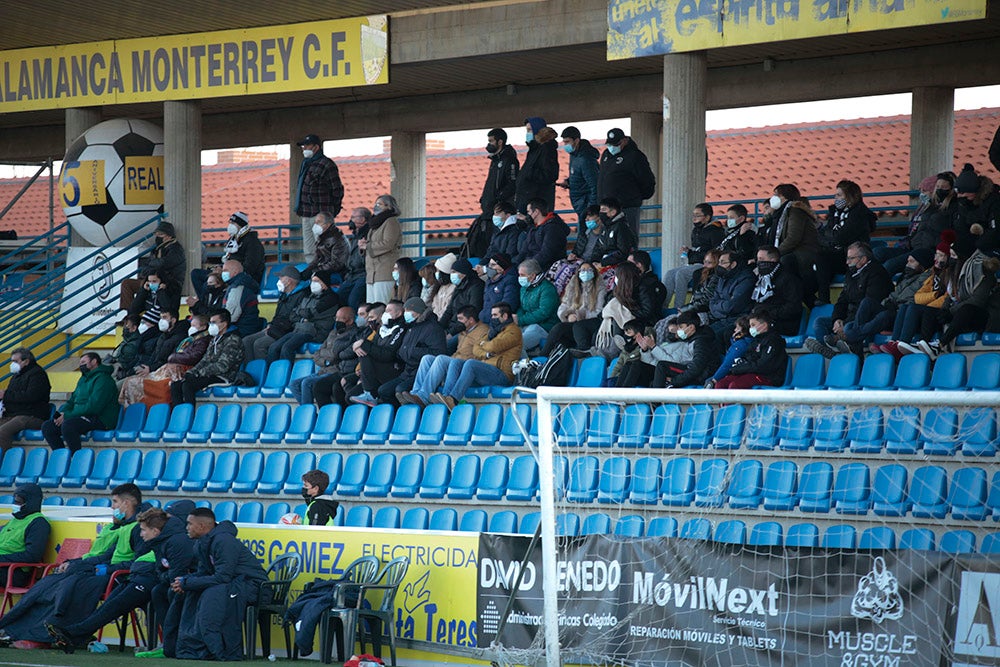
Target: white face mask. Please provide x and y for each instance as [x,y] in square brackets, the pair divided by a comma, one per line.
[307,153]
[164,325]
[774,201]
[281,285]
[192,331]
[732,222]
[143,328]
[213,329]
[15,368]
[315,287]
[317,230]
[386,318]
[232,229]
[754,331]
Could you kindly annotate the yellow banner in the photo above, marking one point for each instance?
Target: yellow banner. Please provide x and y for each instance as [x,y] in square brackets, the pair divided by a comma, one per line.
[144,179]
[436,602]
[655,27]
[274,59]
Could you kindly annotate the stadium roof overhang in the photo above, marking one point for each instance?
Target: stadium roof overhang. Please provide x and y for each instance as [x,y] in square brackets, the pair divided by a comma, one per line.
[444,54]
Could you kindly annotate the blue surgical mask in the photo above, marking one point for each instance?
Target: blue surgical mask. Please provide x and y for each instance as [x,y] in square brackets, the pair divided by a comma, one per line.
[682,334]
[523,281]
[395,276]
[409,317]
[226,275]
[568,148]
[423,281]
[456,278]
[153,287]
[925,198]
[586,276]
[118,514]
[498,220]
[753,332]
[614,150]
[591,224]
[529,137]
[360,321]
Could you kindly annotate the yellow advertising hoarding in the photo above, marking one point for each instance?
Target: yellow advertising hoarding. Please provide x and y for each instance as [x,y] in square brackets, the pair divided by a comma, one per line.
[275,59]
[656,27]
[436,601]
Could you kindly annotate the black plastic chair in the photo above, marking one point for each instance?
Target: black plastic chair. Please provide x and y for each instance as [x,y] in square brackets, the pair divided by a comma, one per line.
[272,600]
[382,617]
[362,572]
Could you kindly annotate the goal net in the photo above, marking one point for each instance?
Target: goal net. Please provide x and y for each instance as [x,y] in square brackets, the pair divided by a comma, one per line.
[770,527]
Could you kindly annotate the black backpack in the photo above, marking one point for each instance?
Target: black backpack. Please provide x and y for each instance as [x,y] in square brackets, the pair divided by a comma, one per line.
[554,372]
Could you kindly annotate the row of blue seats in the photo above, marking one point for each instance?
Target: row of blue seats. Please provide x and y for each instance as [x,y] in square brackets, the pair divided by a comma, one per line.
[904,430]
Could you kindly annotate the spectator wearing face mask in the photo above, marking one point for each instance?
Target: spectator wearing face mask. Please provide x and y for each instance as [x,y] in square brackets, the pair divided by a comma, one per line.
[24,537]
[151,385]
[240,298]
[319,190]
[26,399]
[625,174]
[539,303]
[919,266]
[501,285]
[919,235]
[220,364]
[706,234]
[406,280]
[312,319]
[333,358]
[764,362]
[583,170]
[583,299]
[792,229]
[424,337]
[167,259]
[777,291]
[546,239]
[214,297]
[381,248]
[352,284]
[378,355]
[848,221]
[740,236]
[468,291]
[92,406]
[155,298]
[333,250]
[437,286]
[171,331]
[243,246]
[291,291]
[509,235]
[537,176]
[705,355]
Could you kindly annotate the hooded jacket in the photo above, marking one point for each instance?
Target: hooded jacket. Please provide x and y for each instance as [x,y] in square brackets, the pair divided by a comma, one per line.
[241,302]
[425,336]
[321,510]
[222,558]
[503,289]
[545,243]
[766,356]
[28,393]
[704,238]
[582,179]
[467,293]
[173,552]
[501,179]
[626,176]
[649,295]
[222,358]
[23,539]
[538,175]
[96,395]
[249,252]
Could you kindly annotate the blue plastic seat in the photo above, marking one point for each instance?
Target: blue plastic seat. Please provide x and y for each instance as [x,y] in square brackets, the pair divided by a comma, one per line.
[473,521]
[664,432]
[815,487]
[978,432]
[464,477]
[251,424]
[250,512]
[809,372]
[386,517]
[415,518]
[765,534]
[132,419]
[843,373]
[54,470]
[852,489]
[633,430]
[127,469]
[878,537]
[409,474]
[359,516]
[902,430]
[727,432]
[101,502]
[840,536]
[830,429]
[802,535]
[179,424]
[494,478]
[949,372]
[678,482]
[889,491]
[958,542]
[203,424]
[445,518]
[568,524]
[991,544]
[352,425]
[662,526]
[352,480]
[696,427]
[939,434]
[646,480]
[76,501]
[156,423]
[917,538]
[795,428]
[780,486]
[571,425]
[523,482]
[560,474]
[504,521]
[630,525]
[97,435]
[984,373]
[201,468]
[174,471]
[223,473]
[437,476]
[278,419]
[459,430]
[929,492]
[274,512]
[227,424]
[245,481]
[732,531]
[762,427]
[332,463]
[381,475]
[710,488]
[300,369]
[301,426]
[604,421]
[877,372]
[379,424]
[430,430]
[302,463]
[697,529]
[913,372]
[404,426]
[592,372]
[615,480]
[338,519]
[596,524]
[34,466]
[746,486]
[866,432]
[266,376]
[510,434]
[104,467]
[327,423]
[583,478]
[967,497]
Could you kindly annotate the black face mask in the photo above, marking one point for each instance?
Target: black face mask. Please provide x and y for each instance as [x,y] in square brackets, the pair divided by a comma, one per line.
[721,272]
[84,369]
[910,272]
[492,148]
[765,268]
[605,218]
[941,194]
[339,326]
[305,496]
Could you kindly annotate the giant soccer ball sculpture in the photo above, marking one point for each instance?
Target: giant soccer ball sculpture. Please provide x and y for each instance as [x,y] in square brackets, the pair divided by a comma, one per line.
[112,181]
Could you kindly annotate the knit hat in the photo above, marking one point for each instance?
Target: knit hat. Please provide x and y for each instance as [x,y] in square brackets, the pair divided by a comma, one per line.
[924,257]
[928,184]
[536,122]
[968,180]
[462,266]
[290,271]
[502,259]
[240,218]
[323,276]
[415,305]
[445,262]
[948,237]
[166,228]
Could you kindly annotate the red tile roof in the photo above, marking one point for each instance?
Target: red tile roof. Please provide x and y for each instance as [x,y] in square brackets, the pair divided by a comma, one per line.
[743,164]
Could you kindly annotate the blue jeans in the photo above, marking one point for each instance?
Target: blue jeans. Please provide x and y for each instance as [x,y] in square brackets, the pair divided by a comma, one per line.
[287,346]
[859,329]
[302,388]
[431,374]
[908,322]
[532,336]
[472,373]
[352,292]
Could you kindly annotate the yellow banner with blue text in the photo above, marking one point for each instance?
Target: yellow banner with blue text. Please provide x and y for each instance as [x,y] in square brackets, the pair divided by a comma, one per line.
[435,603]
[655,27]
[274,59]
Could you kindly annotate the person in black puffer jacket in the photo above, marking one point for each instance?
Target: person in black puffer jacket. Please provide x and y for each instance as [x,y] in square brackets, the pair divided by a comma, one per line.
[765,362]
[537,178]
[26,398]
[705,355]
[848,221]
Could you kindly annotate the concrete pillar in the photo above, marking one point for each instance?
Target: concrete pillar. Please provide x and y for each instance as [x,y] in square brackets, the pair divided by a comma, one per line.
[182,177]
[79,121]
[932,133]
[647,131]
[294,221]
[681,177]
[408,178]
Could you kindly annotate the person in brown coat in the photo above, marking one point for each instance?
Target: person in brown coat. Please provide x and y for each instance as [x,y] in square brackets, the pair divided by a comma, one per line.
[381,249]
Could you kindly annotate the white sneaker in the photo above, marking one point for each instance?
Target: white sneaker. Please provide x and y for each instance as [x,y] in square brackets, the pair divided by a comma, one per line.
[932,349]
[910,348]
